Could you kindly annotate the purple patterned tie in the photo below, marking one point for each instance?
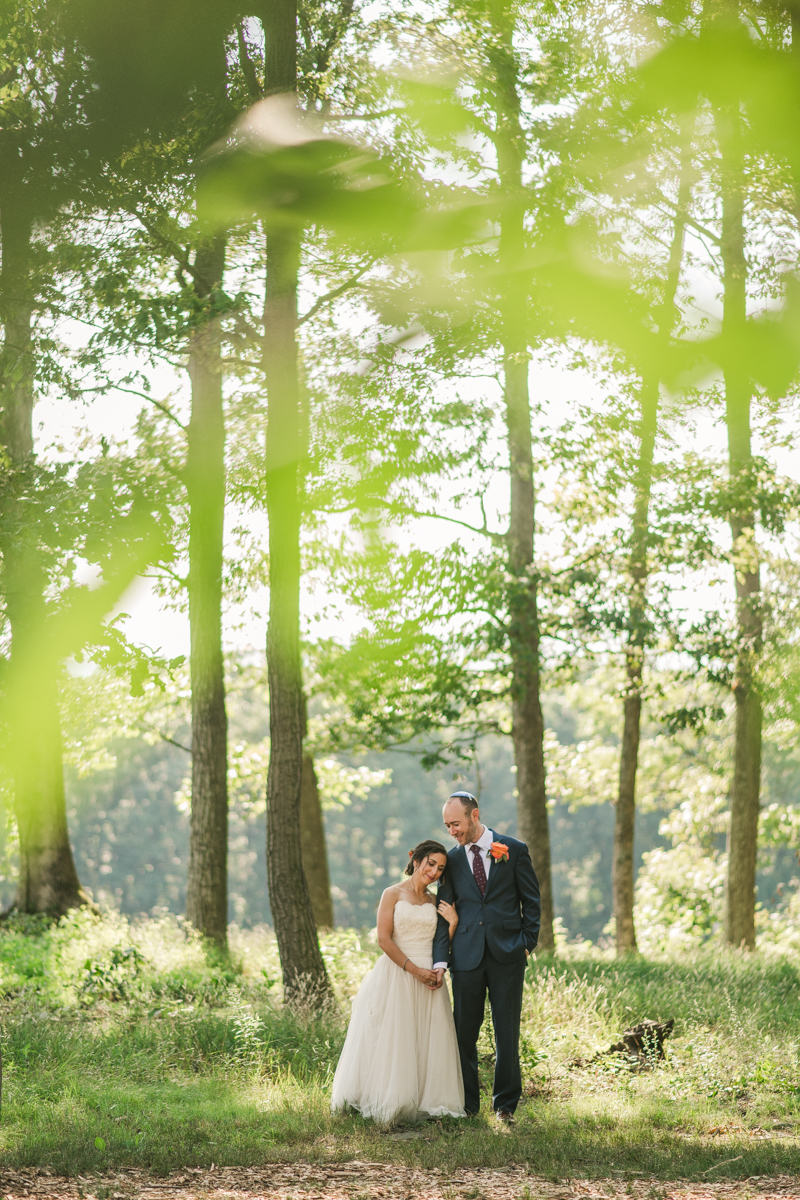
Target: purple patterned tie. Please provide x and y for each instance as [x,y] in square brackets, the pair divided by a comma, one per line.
[478,867]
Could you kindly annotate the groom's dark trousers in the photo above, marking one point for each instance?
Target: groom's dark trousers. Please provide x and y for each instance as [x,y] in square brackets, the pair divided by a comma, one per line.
[487,956]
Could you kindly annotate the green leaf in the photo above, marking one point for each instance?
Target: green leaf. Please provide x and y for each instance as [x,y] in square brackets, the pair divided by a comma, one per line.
[99,1143]
[289,174]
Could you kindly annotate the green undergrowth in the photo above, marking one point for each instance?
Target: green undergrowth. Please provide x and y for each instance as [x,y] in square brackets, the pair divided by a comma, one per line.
[127,1044]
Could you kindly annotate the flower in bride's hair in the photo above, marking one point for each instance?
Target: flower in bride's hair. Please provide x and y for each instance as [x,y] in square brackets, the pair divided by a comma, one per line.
[498,850]
[411,854]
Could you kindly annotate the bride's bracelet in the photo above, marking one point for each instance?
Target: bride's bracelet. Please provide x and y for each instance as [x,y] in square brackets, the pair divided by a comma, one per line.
[407,958]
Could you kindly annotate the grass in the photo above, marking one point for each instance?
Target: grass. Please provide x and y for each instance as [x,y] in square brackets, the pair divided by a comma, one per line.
[125,1045]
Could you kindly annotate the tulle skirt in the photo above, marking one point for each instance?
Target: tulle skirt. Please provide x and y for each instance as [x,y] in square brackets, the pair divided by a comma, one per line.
[400,1060]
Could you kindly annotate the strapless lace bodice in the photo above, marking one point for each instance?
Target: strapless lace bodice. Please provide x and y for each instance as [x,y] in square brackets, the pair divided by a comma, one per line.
[414,927]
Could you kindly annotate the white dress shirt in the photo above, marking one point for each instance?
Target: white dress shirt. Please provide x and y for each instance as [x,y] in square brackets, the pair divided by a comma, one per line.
[483,843]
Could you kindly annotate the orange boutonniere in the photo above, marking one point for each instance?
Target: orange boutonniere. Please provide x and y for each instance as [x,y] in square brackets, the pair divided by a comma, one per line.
[499,851]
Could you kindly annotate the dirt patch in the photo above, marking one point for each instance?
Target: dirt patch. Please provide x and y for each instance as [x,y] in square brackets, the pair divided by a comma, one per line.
[371,1181]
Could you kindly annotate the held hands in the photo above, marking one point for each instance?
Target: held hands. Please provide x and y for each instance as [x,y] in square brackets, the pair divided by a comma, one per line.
[429,978]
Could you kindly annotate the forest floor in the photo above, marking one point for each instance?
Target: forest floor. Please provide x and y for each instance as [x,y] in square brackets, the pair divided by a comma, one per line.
[135,1065]
[373,1181]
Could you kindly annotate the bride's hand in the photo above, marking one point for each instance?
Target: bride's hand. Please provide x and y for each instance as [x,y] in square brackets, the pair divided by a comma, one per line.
[449,913]
[425,976]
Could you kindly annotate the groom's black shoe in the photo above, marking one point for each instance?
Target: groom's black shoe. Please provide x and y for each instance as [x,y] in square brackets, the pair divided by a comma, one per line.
[505,1116]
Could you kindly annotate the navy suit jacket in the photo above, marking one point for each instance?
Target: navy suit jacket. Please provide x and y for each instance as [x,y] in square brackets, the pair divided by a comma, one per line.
[506,920]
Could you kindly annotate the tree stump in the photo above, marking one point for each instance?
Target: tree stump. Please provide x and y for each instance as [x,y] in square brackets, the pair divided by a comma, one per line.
[643,1040]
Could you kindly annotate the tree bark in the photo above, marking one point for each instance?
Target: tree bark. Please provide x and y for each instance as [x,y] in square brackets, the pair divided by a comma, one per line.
[48,880]
[305,979]
[523,609]
[304,975]
[315,854]
[745,795]
[207,885]
[625,815]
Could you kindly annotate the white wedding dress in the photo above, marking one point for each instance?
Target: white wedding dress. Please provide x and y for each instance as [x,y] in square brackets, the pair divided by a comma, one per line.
[400,1060]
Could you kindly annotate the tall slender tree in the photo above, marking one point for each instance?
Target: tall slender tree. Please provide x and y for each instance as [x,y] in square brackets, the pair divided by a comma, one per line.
[638,573]
[207,886]
[207,882]
[515,333]
[35,179]
[745,794]
[304,974]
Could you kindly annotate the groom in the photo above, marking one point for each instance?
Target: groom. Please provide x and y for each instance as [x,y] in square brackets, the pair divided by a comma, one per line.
[491,881]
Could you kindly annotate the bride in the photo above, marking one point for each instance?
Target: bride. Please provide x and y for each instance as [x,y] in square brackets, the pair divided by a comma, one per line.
[400,1059]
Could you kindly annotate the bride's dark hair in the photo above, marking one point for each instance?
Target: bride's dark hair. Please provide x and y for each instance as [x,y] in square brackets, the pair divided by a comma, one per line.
[421,851]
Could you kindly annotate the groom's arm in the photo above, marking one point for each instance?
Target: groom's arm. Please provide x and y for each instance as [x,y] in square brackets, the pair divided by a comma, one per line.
[528,889]
[441,939]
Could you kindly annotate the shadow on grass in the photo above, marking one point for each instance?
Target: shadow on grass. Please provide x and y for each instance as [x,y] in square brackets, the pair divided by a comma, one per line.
[249,1122]
[703,989]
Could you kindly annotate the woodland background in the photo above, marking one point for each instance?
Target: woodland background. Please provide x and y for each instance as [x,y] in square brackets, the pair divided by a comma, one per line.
[437,363]
[463,339]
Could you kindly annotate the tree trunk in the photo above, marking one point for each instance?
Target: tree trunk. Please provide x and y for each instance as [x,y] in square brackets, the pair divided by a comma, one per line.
[312,836]
[207,887]
[526,707]
[740,889]
[315,855]
[305,979]
[625,816]
[304,974]
[48,880]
